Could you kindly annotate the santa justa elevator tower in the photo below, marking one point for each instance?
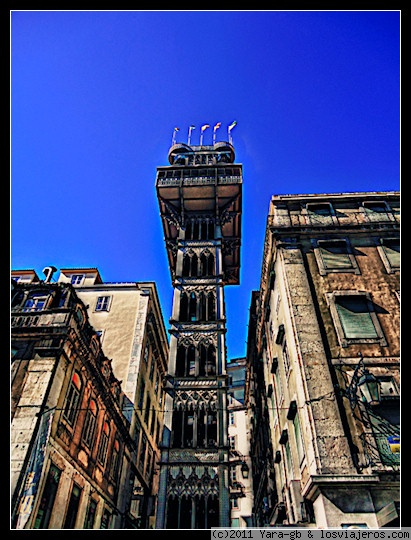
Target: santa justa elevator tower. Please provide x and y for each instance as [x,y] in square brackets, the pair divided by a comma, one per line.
[200,199]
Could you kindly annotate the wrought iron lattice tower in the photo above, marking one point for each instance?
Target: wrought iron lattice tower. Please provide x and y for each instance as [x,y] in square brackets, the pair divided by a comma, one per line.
[200,199]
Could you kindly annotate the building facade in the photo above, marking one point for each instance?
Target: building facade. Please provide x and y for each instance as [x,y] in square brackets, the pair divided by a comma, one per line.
[200,199]
[241,477]
[99,467]
[129,321]
[324,332]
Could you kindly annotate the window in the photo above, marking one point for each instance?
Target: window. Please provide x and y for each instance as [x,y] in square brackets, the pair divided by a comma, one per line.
[234,504]
[355,318]
[143,449]
[320,213]
[299,439]
[141,396]
[146,353]
[72,509]
[103,445]
[377,210]
[35,302]
[103,303]
[73,399]
[147,410]
[335,256]
[389,250]
[289,461]
[152,366]
[115,459]
[105,519]
[90,423]
[77,279]
[233,474]
[47,499]
[286,359]
[91,514]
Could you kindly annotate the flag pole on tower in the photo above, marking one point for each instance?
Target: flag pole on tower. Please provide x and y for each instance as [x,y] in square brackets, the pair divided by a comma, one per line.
[173,141]
[203,128]
[230,127]
[190,129]
[215,129]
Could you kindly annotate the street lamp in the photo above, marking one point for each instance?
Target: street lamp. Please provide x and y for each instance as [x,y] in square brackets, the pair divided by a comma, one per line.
[245,470]
[368,384]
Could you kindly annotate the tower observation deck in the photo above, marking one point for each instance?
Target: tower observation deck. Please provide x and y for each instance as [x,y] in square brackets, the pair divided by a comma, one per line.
[204,183]
[200,201]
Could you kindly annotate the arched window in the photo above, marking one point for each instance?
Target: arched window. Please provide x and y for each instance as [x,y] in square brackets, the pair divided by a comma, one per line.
[186,361]
[192,316]
[203,264]
[115,459]
[194,264]
[191,360]
[210,265]
[203,360]
[183,307]
[177,433]
[73,399]
[207,429]
[207,363]
[181,361]
[210,307]
[211,361]
[103,445]
[90,423]
[186,265]
[203,307]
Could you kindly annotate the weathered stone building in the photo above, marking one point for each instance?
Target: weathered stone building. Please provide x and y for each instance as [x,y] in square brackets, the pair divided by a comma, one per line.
[324,326]
[129,321]
[200,199]
[83,451]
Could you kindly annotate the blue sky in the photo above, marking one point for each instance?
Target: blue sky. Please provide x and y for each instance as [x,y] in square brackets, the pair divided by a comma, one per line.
[95,97]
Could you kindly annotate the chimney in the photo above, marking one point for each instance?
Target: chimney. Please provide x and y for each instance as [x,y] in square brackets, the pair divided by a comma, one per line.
[48,271]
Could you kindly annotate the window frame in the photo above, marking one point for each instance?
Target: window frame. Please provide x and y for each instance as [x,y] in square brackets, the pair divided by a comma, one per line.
[317,218]
[36,298]
[103,303]
[381,248]
[332,300]
[323,270]
[90,424]
[103,444]
[73,400]
[373,215]
[77,279]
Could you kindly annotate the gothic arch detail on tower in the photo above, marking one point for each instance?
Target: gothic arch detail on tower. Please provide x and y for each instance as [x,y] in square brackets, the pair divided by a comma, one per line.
[195,400]
[193,480]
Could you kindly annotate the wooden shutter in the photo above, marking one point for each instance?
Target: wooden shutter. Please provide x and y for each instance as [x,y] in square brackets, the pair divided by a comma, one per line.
[355,317]
[335,255]
[392,250]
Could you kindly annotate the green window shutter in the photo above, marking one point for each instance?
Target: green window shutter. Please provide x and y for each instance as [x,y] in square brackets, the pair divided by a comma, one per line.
[392,250]
[335,256]
[355,317]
